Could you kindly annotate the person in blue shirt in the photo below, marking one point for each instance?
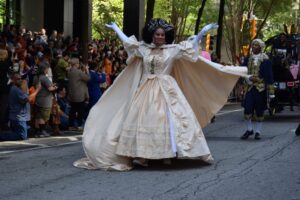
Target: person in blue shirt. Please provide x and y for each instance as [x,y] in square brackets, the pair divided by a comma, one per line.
[64,107]
[94,84]
[19,109]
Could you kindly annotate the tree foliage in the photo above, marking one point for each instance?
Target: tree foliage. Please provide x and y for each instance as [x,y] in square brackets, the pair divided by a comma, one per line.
[104,12]
[2,8]
[183,14]
[237,31]
[271,15]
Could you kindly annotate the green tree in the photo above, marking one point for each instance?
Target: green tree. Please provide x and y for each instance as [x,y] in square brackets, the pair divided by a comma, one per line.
[282,13]
[200,12]
[104,12]
[2,11]
[270,14]
[237,30]
[183,14]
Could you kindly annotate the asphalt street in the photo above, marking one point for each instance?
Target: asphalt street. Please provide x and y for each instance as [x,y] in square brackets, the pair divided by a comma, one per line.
[41,168]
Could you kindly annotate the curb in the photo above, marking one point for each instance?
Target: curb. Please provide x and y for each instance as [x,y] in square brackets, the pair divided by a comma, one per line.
[66,138]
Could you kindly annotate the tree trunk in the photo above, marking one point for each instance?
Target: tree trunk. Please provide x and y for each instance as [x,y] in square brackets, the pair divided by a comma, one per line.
[7,12]
[18,12]
[220,29]
[183,23]
[199,16]
[150,10]
[85,23]
[265,18]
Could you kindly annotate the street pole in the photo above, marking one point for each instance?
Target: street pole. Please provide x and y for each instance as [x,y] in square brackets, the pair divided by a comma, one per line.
[220,29]
[133,17]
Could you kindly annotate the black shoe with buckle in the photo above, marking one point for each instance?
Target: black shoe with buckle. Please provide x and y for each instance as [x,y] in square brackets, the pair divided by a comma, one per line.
[257,136]
[297,132]
[246,135]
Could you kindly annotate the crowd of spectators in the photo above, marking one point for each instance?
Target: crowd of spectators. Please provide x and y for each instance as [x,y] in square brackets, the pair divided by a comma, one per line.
[55,88]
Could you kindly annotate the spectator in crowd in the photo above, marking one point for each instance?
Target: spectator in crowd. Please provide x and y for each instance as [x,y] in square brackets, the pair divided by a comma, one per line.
[94,84]
[107,63]
[205,55]
[61,69]
[74,47]
[77,92]
[116,69]
[43,100]
[53,36]
[43,36]
[23,66]
[5,63]
[214,57]
[19,109]
[29,38]
[64,107]
[25,51]
[56,114]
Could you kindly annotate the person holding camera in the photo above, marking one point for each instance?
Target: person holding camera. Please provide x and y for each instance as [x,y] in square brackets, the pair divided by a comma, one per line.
[43,102]
[78,95]
[19,109]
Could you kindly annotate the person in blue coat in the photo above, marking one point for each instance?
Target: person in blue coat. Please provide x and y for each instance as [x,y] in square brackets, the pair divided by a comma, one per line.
[19,109]
[258,85]
[94,84]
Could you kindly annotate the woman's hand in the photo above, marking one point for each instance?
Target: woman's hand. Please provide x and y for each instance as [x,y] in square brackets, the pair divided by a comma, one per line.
[205,29]
[196,39]
[209,27]
[115,28]
[111,25]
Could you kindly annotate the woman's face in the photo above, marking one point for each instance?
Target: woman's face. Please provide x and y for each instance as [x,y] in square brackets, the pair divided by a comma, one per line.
[159,37]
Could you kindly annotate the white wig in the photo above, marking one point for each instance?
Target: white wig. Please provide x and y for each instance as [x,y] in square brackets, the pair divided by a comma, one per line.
[260,43]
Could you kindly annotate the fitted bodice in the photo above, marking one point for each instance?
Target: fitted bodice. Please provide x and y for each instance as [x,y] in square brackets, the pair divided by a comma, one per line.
[154,63]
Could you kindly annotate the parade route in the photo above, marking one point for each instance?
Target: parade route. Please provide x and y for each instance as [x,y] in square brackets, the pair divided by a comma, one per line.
[242,169]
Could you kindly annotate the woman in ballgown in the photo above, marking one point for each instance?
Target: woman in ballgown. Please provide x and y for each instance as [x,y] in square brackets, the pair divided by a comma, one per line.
[156,107]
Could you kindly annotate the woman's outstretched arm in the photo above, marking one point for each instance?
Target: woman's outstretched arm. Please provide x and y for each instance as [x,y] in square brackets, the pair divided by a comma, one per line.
[120,34]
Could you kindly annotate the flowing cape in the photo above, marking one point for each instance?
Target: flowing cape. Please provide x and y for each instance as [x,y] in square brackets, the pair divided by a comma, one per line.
[206,85]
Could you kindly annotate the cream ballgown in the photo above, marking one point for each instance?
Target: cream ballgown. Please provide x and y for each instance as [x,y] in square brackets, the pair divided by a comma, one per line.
[156,107]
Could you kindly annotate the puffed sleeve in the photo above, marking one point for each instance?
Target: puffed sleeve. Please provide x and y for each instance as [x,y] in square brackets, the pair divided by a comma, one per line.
[186,51]
[132,47]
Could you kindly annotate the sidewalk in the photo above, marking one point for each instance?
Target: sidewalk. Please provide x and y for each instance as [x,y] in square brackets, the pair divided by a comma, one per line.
[66,137]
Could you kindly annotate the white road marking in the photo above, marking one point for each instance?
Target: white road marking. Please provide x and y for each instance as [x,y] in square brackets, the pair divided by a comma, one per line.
[41,146]
[229,111]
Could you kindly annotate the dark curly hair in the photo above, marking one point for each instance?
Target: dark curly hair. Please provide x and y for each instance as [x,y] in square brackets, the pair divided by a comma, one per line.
[153,25]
